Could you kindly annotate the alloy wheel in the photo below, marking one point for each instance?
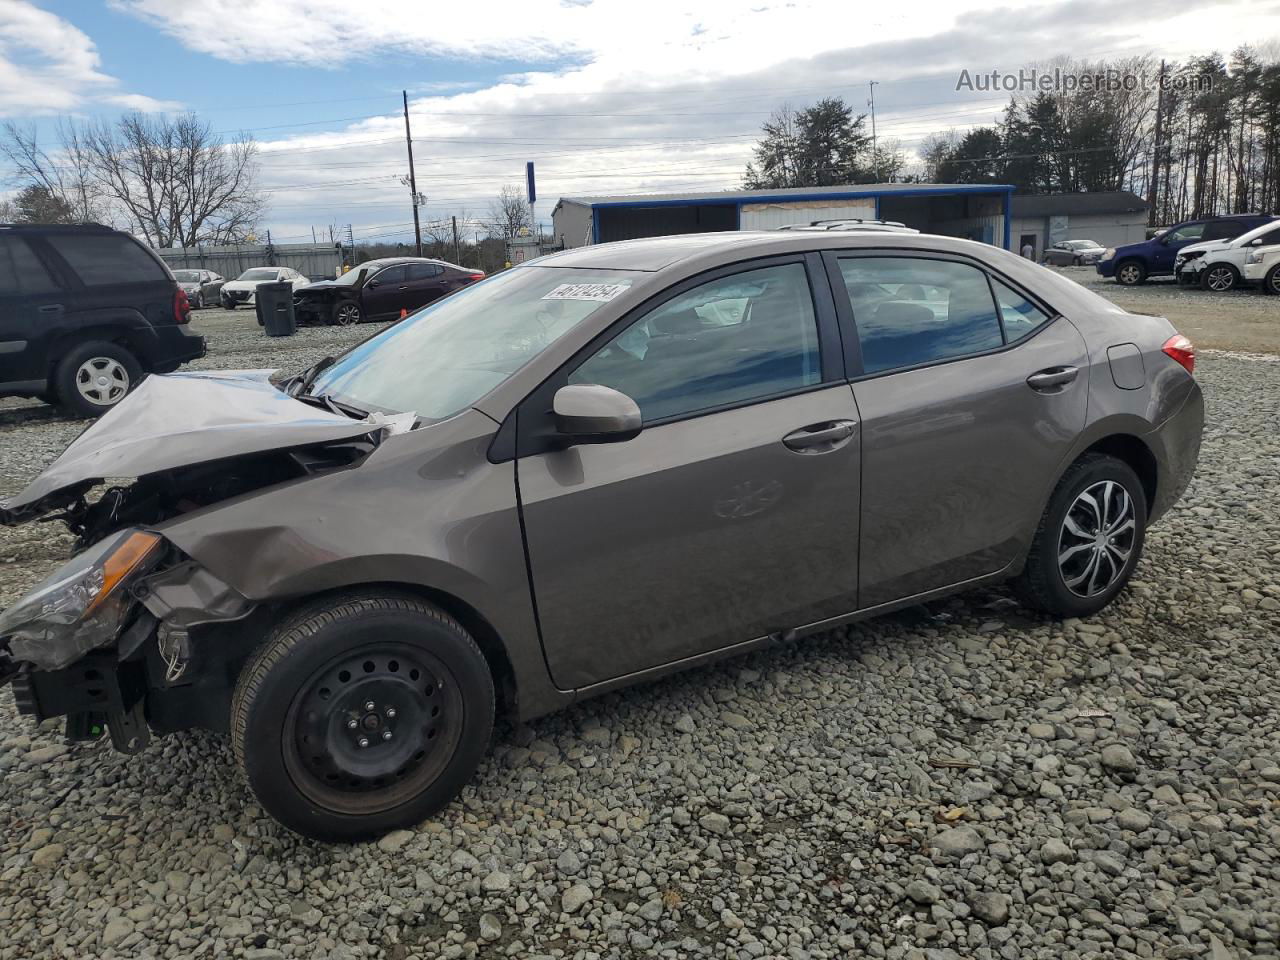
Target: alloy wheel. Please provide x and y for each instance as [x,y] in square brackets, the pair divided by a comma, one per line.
[1219,279]
[372,728]
[1129,274]
[347,314]
[1274,281]
[1097,537]
[103,381]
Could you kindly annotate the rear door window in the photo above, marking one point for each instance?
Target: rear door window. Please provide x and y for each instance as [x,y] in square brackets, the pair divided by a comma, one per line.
[21,271]
[424,271]
[912,310]
[1020,315]
[1225,229]
[103,259]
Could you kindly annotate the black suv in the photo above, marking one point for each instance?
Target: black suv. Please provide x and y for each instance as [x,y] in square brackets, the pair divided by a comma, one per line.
[85,311]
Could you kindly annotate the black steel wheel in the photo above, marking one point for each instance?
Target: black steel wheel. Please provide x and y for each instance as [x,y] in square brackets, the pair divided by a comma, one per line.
[362,714]
[372,727]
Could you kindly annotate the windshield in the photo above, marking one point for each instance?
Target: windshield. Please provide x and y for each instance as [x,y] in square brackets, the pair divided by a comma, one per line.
[259,273]
[186,276]
[448,356]
[353,275]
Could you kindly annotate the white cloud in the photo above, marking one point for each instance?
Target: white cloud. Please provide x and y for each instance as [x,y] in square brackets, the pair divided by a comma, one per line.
[47,65]
[619,96]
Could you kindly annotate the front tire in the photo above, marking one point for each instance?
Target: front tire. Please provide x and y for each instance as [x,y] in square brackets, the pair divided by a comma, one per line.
[347,314]
[1220,277]
[362,714]
[1089,539]
[1130,273]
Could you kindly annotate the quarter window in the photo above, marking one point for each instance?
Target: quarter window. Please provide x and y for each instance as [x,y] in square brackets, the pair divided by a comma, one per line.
[102,259]
[21,271]
[733,340]
[1019,314]
[911,310]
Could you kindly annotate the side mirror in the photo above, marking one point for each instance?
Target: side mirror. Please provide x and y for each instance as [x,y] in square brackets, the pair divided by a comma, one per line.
[1255,242]
[590,413]
[373,283]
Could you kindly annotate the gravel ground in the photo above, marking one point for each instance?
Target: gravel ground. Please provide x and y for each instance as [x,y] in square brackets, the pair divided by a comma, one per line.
[1243,320]
[956,781]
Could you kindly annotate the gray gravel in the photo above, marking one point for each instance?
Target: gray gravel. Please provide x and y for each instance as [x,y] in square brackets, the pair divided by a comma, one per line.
[955,781]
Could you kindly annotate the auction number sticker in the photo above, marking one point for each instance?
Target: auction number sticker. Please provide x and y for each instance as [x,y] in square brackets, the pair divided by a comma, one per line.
[598,292]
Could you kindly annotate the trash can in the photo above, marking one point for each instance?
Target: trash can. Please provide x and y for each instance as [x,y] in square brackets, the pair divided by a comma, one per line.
[275,309]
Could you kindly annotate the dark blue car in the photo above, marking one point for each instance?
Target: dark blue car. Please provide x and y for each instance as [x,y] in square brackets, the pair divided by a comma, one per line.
[1135,262]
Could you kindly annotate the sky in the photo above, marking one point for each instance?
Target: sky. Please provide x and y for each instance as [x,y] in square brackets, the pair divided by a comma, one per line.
[604,96]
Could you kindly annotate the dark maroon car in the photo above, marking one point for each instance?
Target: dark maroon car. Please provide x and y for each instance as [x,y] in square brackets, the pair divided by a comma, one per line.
[380,290]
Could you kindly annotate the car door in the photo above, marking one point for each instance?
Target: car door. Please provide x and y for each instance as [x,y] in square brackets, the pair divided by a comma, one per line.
[733,515]
[968,409]
[424,282]
[1166,249]
[32,309]
[381,293]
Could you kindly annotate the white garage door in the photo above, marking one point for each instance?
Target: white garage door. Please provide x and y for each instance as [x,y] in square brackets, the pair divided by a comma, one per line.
[770,216]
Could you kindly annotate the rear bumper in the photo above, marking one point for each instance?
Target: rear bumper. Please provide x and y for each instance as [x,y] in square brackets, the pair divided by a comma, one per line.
[1177,441]
[173,346]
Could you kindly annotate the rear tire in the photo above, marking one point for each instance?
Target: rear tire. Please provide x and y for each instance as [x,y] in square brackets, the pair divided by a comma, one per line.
[1130,273]
[362,714]
[1271,283]
[94,377]
[1089,539]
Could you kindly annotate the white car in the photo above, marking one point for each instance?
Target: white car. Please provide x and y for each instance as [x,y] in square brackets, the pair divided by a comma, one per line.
[1262,267]
[1219,265]
[244,288]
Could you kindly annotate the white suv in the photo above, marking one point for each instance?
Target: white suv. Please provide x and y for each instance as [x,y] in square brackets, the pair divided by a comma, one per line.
[1262,267]
[1219,265]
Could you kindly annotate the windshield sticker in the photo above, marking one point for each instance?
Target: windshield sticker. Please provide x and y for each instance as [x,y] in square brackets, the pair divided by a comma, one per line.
[598,292]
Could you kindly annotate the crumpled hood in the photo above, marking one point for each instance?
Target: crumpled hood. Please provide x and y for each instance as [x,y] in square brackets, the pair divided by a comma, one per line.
[184,419]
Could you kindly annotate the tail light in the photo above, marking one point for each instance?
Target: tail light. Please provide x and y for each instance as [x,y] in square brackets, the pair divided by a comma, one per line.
[473,277]
[1182,350]
[181,307]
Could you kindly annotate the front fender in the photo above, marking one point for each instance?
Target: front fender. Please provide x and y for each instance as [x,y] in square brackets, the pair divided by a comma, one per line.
[426,508]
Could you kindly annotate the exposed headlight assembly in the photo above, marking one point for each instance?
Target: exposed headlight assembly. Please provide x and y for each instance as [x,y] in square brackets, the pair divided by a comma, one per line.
[82,605]
[1108,253]
[1255,256]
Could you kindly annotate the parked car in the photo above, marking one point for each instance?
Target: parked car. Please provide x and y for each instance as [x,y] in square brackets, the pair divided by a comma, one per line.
[201,286]
[381,289]
[1262,267]
[871,226]
[85,313]
[1218,265]
[673,449]
[1135,262]
[243,288]
[1073,253]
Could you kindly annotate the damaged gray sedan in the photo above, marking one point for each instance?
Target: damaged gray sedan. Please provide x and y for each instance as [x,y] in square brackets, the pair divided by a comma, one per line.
[591,470]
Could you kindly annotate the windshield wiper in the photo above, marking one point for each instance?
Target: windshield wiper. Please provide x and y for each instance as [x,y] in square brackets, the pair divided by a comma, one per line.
[307,377]
[332,405]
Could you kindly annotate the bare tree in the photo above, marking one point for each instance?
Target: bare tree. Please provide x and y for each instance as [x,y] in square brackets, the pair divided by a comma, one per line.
[177,181]
[66,175]
[510,212]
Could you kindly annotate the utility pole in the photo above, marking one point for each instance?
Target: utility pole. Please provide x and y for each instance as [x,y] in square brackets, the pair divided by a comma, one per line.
[457,249]
[1152,193]
[413,182]
[875,157]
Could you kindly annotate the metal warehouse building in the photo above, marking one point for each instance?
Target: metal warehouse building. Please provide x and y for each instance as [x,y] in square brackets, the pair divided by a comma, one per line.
[970,210]
[1112,219]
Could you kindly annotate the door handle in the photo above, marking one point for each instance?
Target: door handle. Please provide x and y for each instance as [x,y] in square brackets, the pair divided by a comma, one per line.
[51,308]
[820,437]
[1052,379]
